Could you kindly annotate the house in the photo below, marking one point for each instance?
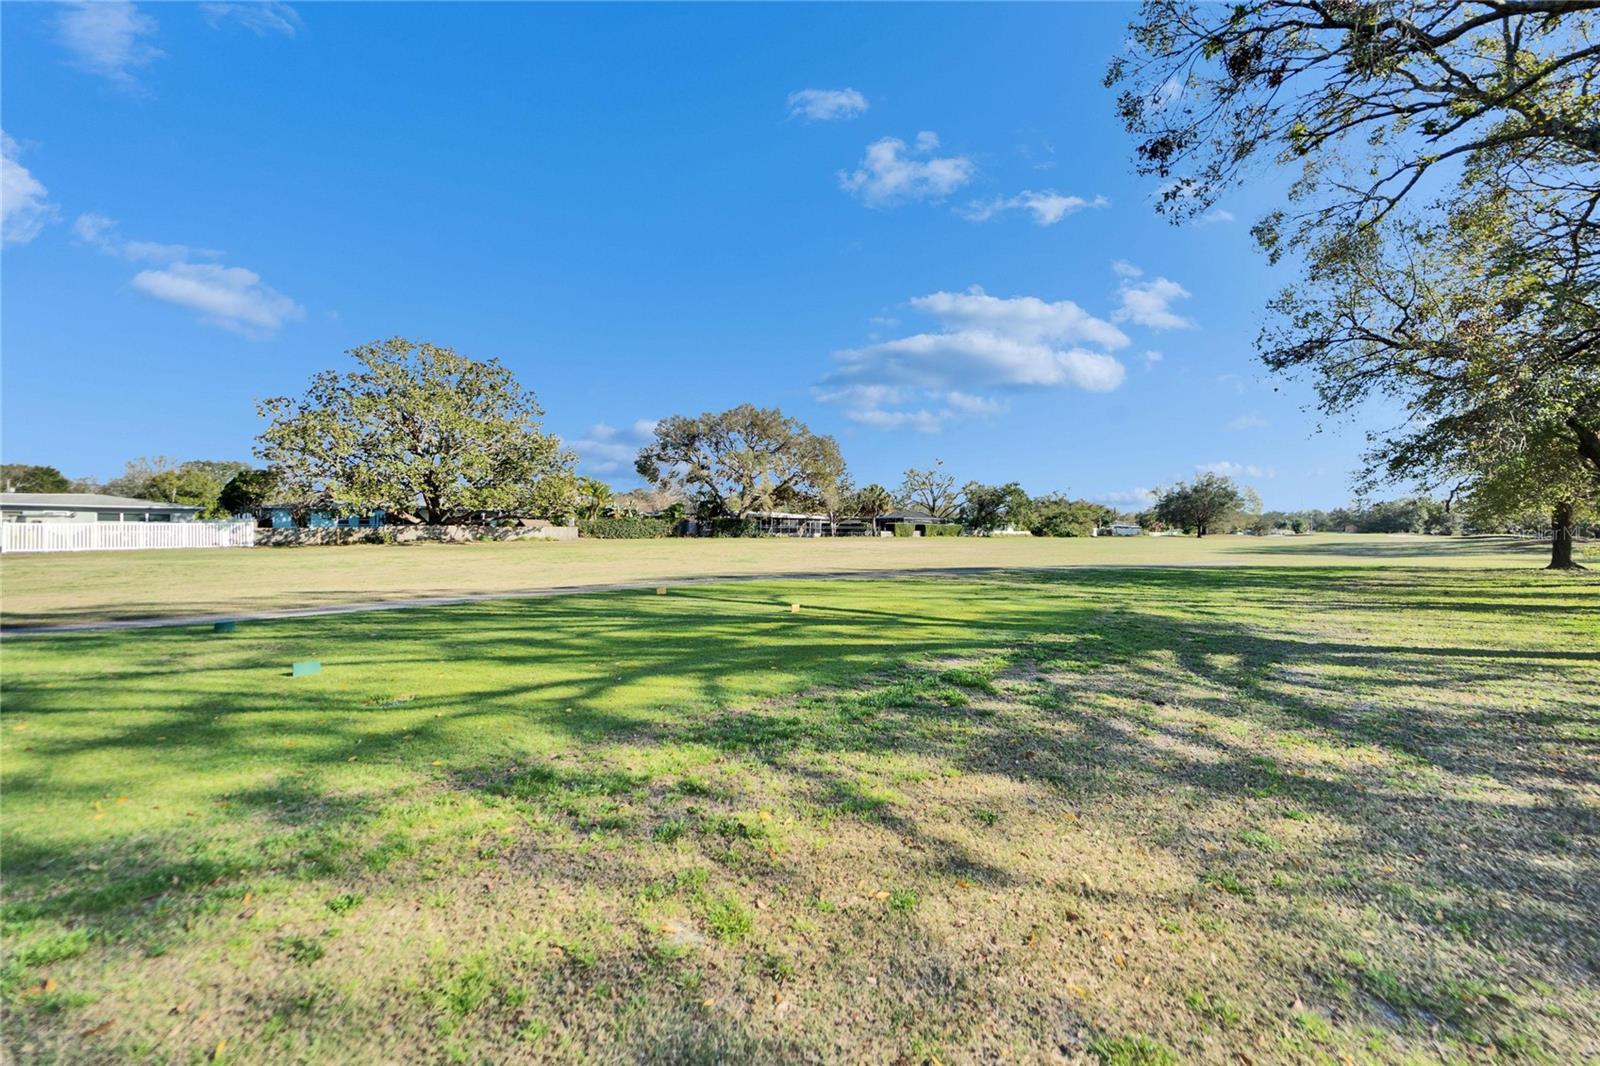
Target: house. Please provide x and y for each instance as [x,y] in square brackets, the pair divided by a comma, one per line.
[789,524]
[88,507]
[918,520]
[1125,529]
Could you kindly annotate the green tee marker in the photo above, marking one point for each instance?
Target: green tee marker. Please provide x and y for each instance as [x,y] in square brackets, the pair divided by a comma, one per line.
[225,627]
[310,666]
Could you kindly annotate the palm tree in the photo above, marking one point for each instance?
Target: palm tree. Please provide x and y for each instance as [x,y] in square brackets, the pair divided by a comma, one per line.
[872,501]
[594,496]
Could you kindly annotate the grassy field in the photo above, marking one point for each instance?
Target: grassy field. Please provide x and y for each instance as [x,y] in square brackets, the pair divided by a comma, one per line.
[95,586]
[1253,814]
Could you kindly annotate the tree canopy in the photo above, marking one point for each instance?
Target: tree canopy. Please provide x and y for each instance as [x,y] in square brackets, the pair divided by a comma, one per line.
[932,489]
[1447,204]
[416,429]
[1201,504]
[21,477]
[1365,98]
[741,460]
[986,508]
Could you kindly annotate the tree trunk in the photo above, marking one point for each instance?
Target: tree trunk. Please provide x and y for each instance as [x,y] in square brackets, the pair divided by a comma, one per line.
[1561,539]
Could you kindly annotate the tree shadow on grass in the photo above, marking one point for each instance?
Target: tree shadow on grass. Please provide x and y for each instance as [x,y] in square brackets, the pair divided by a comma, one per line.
[602,676]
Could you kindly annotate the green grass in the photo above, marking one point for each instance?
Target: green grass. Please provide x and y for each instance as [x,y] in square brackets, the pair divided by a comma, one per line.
[1134,816]
[95,586]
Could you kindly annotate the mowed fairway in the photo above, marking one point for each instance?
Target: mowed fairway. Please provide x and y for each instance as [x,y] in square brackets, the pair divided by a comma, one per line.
[1243,814]
[101,586]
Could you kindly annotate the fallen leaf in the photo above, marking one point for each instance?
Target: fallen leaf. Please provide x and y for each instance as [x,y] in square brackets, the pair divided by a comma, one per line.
[97,1030]
[248,896]
[438,762]
[216,1055]
[49,985]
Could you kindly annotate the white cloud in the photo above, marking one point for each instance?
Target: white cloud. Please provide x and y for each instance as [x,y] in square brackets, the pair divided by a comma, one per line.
[25,208]
[1025,317]
[260,17]
[1151,358]
[607,449]
[826,105]
[1149,303]
[1048,207]
[232,297]
[1123,268]
[983,343]
[1216,214]
[1230,469]
[889,175]
[100,232]
[1250,421]
[1138,498]
[107,37]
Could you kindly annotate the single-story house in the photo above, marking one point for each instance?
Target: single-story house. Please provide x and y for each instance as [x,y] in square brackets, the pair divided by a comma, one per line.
[282,516]
[790,524]
[919,520]
[88,507]
[1125,529]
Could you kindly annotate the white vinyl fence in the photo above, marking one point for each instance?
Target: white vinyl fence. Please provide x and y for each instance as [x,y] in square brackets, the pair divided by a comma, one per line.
[123,536]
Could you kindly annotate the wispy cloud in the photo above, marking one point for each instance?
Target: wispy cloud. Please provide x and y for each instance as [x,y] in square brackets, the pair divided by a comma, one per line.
[261,17]
[108,38]
[25,207]
[892,173]
[1249,421]
[100,232]
[1148,303]
[607,449]
[1231,469]
[231,297]
[1138,498]
[983,343]
[1213,216]
[826,105]
[1151,357]
[1047,207]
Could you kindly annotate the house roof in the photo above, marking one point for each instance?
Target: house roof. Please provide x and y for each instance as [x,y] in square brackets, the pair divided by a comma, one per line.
[84,501]
[909,516]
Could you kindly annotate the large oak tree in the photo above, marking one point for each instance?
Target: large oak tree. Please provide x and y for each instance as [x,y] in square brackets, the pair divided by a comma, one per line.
[416,429]
[1467,131]
[742,460]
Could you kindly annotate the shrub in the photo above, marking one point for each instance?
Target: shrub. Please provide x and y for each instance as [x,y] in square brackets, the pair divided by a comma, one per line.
[904,529]
[733,527]
[945,529]
[379,536]
[625,528]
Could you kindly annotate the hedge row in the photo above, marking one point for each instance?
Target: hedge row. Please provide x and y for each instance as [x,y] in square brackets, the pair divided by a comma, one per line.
[625,528]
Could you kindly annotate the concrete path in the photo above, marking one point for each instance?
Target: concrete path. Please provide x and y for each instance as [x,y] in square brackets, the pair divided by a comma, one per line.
[163,621]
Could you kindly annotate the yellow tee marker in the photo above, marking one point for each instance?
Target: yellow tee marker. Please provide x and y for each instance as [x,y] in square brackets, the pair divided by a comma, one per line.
[661,590]
[794,608]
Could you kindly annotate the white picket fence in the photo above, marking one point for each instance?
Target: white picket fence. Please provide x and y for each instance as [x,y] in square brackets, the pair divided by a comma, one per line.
[123,536]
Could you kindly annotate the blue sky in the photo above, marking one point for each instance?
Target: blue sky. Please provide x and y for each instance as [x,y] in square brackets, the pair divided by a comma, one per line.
[914,227]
